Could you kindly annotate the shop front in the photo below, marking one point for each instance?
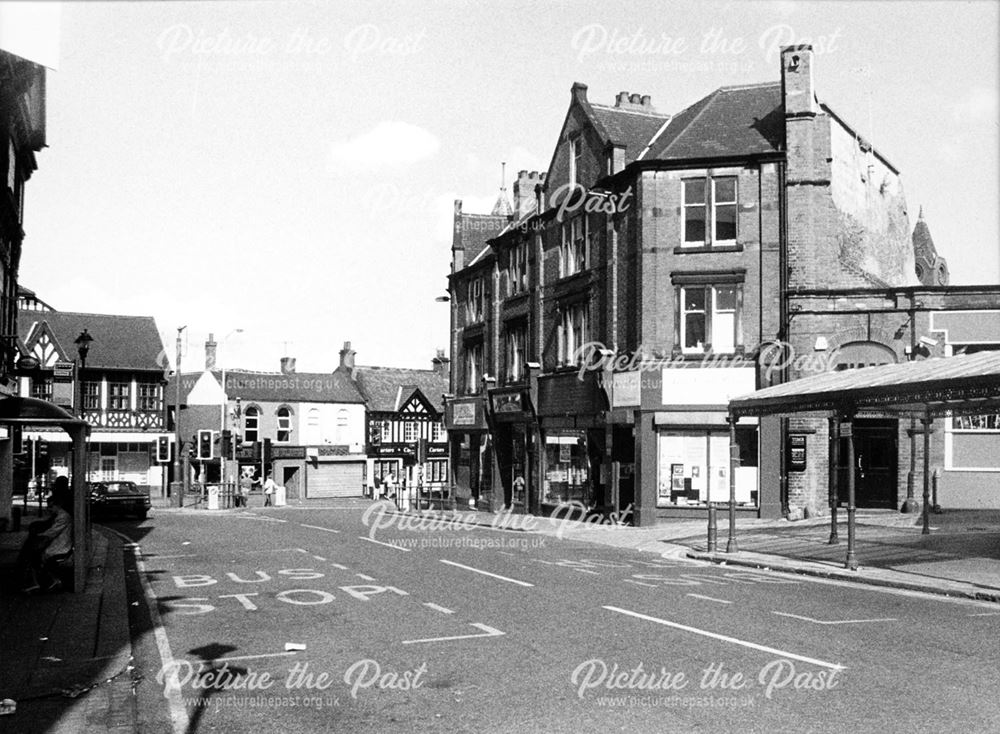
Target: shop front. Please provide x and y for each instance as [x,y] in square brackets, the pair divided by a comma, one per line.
[515,435]
[685,442]
[572,411]
[471,452]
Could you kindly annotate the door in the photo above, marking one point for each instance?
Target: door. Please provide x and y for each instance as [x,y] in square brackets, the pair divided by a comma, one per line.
[290,481]
[876,462]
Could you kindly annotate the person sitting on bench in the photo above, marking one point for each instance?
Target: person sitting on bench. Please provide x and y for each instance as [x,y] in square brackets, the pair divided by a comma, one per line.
[49,544]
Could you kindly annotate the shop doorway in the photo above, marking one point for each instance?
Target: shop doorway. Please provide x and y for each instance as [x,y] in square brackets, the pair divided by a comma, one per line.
[876,463]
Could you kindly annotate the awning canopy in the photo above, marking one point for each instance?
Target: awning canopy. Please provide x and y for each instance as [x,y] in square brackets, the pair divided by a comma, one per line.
[33,411]
[967,383]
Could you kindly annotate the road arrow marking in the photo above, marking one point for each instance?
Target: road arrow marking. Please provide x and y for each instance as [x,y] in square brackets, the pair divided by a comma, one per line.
[834,621]
[724,638]
[487,573]
[487,632]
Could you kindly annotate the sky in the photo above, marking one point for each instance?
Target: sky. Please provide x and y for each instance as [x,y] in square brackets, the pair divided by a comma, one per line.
[289,169]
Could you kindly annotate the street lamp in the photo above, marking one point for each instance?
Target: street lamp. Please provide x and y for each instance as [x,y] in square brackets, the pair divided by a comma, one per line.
[180,477]
[82,349]
[222,417]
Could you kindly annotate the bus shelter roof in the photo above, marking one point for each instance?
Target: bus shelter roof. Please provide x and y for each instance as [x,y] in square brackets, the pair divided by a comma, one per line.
[963,384]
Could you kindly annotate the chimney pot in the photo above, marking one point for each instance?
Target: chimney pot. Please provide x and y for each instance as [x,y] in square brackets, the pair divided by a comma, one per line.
[210,351]
[647,101]
[621,99]
[288,365]
[347,356]
[635,98]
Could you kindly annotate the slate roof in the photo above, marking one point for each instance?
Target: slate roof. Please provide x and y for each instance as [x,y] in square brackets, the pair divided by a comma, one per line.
[386,387]
[296,387]
[630,127]
[731,121]
[473,230]
[120,342]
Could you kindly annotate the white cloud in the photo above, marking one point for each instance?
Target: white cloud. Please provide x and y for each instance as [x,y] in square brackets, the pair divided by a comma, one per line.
[390,144]
[978,106]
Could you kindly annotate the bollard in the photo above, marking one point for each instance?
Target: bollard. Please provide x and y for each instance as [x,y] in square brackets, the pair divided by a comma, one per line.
[713,531]
[935,507]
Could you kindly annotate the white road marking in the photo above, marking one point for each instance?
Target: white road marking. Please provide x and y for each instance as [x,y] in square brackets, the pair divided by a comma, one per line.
[487,573]
[834,621]
[487,632]
[170,558]
[387,545]
[172,689]
[317,527]
[254,516]
[438,608]
[362,576]
[303,550]
[342,568]
[320,558]
[710,598]
[640,583]
[724,638]
[985,614]
[585,570]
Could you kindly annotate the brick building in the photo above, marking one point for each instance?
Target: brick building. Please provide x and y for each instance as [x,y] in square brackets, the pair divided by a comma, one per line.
[649,276]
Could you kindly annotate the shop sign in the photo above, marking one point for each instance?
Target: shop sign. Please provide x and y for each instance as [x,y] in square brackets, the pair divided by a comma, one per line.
[625,389]
[507,402]
[706,385]
[62,371]
[796,452]
[463,414]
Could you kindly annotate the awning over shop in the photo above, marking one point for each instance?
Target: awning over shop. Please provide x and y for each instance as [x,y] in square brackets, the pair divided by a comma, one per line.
[960,384]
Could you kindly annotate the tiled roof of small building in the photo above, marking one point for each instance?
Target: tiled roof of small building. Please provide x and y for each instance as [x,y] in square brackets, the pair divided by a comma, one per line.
[297,387]
[119,342]
[632,128]
[731,121]
[387,387]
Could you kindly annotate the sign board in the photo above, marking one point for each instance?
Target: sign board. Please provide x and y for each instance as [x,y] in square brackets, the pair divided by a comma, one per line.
[706,385]
[796,452]
[625,389]
[463,414]
[62,371]
[846,429]
[507,402]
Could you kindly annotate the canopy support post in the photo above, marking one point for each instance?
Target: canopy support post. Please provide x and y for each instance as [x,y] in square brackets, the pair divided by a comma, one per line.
[927,421]
[847,430]
[834,476]
[81,531]
[734,462]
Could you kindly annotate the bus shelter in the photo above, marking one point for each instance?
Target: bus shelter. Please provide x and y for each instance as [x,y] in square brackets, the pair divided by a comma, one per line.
[41,414]
[925,389]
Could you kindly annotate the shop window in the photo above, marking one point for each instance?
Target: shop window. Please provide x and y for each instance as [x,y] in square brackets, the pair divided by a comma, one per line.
[567,469]
[473,358]
[515,351]
[573,333]
[517,269]
[709,212]
[573,250]
[709,318]
[148,398]
[119,396]
[475,302]
[694,467]
[251,424]
[284,425]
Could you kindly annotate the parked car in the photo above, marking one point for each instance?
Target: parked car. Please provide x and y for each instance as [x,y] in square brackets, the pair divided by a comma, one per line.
[119,498]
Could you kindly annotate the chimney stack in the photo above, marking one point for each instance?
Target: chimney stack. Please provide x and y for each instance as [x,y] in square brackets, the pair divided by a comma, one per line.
[288,365]
[210,347]
[525,198]
[440,362]
[797,81]
[634,101]
[347,357]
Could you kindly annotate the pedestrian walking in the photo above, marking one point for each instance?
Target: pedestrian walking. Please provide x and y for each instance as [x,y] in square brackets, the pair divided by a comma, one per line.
[246,484]
[269,487]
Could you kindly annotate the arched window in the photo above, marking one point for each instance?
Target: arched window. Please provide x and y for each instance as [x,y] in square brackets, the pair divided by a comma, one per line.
[251,424]
[342,419]
[312,437]
[284,425]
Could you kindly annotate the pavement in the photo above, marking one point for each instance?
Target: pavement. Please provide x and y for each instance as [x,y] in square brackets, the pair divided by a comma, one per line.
[67,658]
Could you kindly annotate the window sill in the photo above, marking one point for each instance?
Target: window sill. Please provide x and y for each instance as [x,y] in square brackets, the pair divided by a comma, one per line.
[708,248]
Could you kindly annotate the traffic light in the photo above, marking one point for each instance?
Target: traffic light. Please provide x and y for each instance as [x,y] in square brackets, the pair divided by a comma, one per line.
[17,439]
[266,458]
[227,444]
[163,450]
[205,445]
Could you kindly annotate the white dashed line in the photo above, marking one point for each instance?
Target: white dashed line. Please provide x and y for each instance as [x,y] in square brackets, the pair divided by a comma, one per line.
[438,608]
[387,545]
[710,598]
[342,568]
[362,576]
[724,638]
[487,573]
[639,583]
[320,558]
[317,527]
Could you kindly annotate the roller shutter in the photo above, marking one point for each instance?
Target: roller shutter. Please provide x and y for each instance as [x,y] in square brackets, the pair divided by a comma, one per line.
[335,479]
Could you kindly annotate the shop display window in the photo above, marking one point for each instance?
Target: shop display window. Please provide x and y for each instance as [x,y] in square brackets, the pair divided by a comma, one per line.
[694,467]
[567,469]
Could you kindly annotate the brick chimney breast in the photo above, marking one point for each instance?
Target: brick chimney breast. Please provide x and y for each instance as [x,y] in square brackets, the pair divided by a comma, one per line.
[347,356]
[288,365]
[797,81]
[210,349]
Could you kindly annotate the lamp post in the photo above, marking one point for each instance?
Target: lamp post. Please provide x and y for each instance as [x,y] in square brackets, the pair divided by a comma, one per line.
[82,349]
[179,478]
[222,419]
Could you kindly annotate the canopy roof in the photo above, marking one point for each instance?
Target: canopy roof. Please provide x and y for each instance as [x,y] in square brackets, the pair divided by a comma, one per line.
[967,383]
[33,411]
